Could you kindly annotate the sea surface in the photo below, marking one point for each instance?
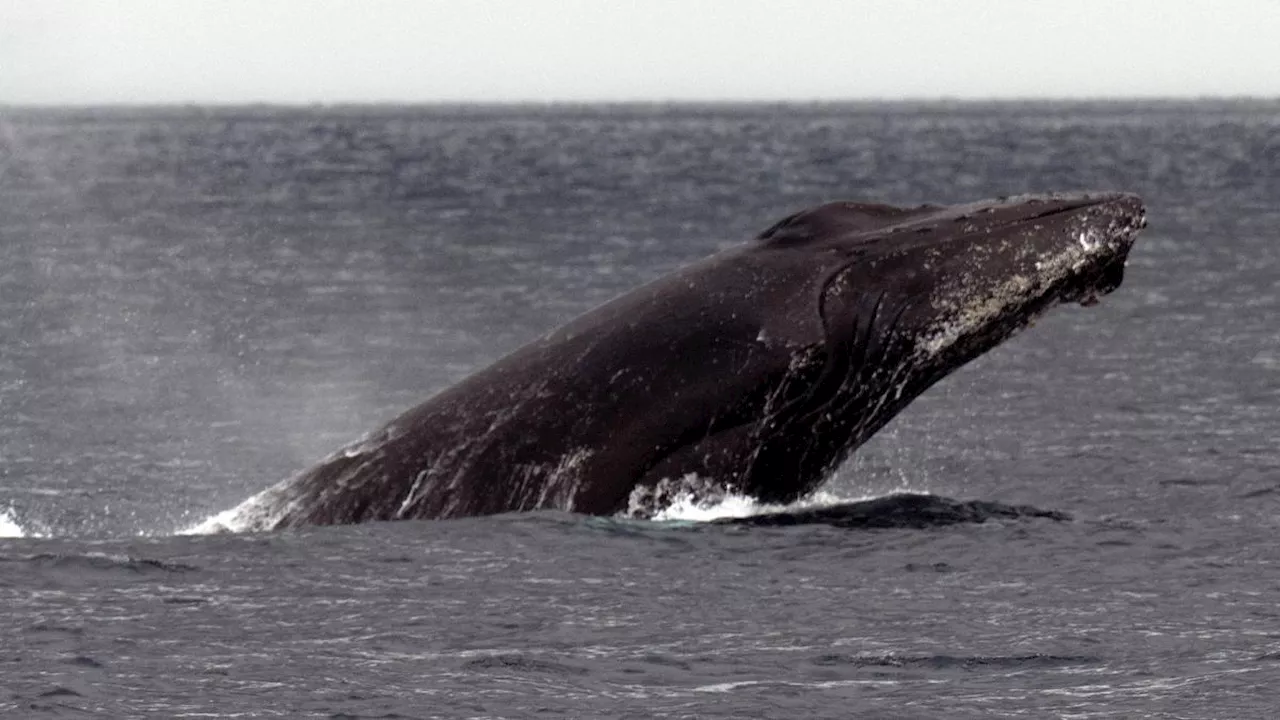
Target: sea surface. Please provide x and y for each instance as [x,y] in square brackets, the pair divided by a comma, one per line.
[196,303]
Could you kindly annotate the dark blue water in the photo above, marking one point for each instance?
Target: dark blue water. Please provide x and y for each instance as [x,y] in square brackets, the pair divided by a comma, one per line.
[195,304]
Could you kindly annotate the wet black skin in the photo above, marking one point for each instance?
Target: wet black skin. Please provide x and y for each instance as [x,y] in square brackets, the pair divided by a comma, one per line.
[759,368]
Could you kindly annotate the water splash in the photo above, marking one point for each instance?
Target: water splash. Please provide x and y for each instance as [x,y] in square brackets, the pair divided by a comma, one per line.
[253,515]
[689,508]
[216,524]
[11,528]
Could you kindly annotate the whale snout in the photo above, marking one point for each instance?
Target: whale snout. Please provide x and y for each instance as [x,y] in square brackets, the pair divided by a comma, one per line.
[1108,230]
[1120,216]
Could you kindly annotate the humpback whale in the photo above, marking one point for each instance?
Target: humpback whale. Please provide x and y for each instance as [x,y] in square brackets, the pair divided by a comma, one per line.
[758,369]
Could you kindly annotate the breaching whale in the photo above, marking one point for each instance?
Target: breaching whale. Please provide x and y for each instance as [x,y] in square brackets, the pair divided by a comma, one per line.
[758,369]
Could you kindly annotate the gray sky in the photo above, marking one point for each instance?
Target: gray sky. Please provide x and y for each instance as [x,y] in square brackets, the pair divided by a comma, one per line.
[299,51]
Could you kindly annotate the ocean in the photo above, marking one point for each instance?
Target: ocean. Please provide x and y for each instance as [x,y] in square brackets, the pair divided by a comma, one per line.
[196,303]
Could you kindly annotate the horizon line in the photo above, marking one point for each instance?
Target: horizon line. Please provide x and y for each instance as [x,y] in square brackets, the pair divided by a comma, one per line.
[634,102]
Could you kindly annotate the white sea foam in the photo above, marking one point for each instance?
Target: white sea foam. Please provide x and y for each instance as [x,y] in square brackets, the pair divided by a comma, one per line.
[685,507]
[223,522]
[10,528]
[252,515]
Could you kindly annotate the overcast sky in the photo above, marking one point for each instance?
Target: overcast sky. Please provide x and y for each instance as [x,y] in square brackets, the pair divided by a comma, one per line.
[301,51]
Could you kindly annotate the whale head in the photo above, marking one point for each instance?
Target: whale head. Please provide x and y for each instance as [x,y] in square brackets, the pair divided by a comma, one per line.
[960,279]
[907,295]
